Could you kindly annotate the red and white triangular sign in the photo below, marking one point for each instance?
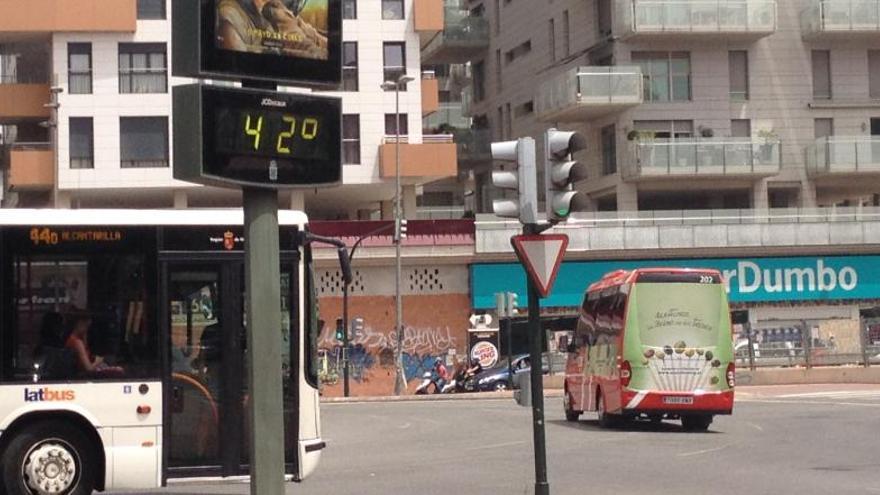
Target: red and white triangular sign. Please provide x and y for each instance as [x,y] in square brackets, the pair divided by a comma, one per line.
[541,256]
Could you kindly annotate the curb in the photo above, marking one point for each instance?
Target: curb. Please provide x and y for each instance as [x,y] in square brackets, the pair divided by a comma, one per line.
[435,397]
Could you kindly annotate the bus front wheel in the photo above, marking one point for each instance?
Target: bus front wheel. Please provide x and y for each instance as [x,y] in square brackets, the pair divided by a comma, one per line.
[50,457]
[699,422]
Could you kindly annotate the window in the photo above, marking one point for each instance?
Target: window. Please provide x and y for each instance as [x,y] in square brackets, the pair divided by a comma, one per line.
[566,35]
[82,143]
[823,128]
[79,68]
[521,50]
[349,9]
[509,120]
[97,297]
[497,17]
[142,68]
[499,83]
[350,66]
[500,123]
[667,75]
[351,139]
[738,64]
[609,150]
[524,109]
[392,9]
[551,32]
[391,124]
[143,142]
[479,72]
[394,61]
[874,73]
[741,128]
[603,17]
[821,74]
[665,129]
[150,9]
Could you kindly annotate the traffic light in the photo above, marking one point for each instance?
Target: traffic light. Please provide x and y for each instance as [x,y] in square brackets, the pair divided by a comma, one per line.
[399,229]
[524,180]
[339,329]
[511,303]
[561,172]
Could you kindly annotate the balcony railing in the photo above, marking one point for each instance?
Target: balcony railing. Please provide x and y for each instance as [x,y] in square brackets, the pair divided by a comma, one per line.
[589,92]
[736,17]
[844,155]
[704,157]
[841,16]
[448,116]
[463,37]
[473,144]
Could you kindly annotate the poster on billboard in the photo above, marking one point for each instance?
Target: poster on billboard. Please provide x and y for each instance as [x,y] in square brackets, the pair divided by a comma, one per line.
[292,41]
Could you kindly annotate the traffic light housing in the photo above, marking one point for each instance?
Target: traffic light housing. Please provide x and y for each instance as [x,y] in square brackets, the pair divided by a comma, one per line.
[521,153]
[400,229]
[339,329]
[512,303]
[561,172]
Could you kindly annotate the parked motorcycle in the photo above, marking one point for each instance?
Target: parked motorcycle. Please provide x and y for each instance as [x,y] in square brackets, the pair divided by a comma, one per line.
[429,378]
[461,382]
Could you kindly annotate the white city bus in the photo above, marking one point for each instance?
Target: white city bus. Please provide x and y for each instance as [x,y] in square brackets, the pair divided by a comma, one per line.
[122,349]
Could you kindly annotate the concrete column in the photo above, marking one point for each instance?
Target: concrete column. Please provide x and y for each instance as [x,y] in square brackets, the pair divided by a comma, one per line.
[387,209]
[181,200]
[297,200]
[409,202]
[760,198]
[62,199]
[627,197]
[809,197]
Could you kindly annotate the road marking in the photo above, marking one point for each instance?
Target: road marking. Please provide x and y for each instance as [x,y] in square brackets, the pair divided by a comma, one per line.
[496,446]
[839,394]
[706,451]
[811,402]
[757,427]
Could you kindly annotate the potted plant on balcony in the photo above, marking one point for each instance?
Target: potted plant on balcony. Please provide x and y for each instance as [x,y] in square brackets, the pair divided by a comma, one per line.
[638,135]
[769,140]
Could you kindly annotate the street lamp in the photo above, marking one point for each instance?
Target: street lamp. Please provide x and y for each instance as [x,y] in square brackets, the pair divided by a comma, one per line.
[399,382]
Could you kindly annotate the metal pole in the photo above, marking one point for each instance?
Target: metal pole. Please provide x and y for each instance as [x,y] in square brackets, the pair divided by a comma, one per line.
[263,287]
[399,384]
[542,487]
[345,350]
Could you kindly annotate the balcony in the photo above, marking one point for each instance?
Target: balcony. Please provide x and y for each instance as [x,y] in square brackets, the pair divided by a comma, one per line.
[430,94]
[587,93]
[473,145]
[427,18]
[448,116]
[740,20]
[463,38]
[691,158]
[844,157]
[50,16]
[31,166]
[433,159]
[842,19]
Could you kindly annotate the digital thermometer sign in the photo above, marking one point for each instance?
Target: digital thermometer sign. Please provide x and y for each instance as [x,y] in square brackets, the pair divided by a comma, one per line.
[250,137]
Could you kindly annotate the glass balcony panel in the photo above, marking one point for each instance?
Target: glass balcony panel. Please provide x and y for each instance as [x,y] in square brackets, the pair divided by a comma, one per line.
[706,157]
[697,16]
[588,92]
[841,16]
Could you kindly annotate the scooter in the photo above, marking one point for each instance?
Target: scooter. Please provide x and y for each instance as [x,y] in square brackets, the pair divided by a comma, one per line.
[428,379]
[460,383]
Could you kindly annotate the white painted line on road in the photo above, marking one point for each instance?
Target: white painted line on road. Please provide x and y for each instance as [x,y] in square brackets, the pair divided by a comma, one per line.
[757,427]
[839,394]
[496,446]
[706,451]
[810,402]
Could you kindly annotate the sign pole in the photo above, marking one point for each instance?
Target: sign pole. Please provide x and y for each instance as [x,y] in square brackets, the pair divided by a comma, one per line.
[542,486]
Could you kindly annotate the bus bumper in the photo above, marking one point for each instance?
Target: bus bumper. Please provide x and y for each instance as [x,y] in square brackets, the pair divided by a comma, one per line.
[644,401]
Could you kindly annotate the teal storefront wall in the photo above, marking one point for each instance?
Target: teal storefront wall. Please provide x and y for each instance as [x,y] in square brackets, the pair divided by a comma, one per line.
[803,278]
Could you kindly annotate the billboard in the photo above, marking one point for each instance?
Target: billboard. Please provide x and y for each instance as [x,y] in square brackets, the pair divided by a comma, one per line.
[288,41]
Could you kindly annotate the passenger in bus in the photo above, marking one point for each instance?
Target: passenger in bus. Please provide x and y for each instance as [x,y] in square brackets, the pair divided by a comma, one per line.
[55,361]
[77,341]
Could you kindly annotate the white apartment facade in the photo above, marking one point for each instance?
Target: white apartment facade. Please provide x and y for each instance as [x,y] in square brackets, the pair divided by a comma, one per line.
[106,108]
[702,104]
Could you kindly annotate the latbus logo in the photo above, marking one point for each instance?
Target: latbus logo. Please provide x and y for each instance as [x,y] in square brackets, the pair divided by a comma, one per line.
[47,394]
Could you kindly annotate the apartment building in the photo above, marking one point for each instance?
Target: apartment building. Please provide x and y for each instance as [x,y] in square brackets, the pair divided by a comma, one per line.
[85,110]
[704,104]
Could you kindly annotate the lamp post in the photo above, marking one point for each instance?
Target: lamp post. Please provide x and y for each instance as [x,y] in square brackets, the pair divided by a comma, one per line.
[399,382]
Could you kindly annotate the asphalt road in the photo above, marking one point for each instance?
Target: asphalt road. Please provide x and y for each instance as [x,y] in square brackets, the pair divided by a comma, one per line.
[780,440]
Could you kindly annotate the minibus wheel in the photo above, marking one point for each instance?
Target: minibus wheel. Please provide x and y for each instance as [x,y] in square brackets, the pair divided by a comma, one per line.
[697,422]
[570,414]
[605,420]
[49,457]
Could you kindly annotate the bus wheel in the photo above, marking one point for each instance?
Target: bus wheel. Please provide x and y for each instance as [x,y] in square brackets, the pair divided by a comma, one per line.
[697,422]
[51,457]
[605,420]
[570,414]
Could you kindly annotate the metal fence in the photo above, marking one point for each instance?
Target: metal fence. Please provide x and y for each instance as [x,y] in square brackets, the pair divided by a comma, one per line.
[802,345]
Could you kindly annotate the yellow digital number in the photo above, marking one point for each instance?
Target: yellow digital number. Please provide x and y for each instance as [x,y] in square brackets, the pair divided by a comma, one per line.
[43,236]
[255,132]
[309,129]
[286,134]
[35,236]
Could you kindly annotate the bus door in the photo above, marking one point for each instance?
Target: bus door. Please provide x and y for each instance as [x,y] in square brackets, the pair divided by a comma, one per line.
[206,392]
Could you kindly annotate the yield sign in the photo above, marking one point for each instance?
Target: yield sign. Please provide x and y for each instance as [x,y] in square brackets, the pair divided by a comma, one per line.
[541,256]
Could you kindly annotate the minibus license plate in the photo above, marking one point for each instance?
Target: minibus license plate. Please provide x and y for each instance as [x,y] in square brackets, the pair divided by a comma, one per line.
[678,400]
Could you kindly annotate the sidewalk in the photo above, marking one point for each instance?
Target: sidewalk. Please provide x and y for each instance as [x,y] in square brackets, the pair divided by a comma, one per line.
[506,395]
